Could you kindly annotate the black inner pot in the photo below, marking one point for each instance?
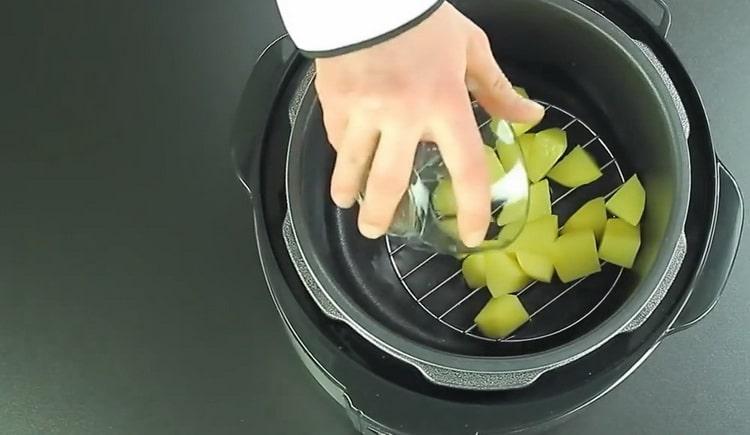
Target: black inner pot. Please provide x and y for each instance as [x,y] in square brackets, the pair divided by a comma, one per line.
[559,57]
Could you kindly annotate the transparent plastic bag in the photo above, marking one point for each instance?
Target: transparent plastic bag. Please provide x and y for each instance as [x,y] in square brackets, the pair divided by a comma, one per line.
[420,224]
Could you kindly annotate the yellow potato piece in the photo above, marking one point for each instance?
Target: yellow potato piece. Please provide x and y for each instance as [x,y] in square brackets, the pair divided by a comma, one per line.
[575,256]
[539,201]
[449,226]
[629,201]
[474,271]
[509,153]
[552,137]
[504,275]
[490,245]
[513,212]
[521,91]
[536,236]
[443,199]
[501,316]
[620,243]
[494,168]
[591,216]
[510,231]
[542,150]
[520,128]
[575,169]
[527,145]
[537,266]
[503,131]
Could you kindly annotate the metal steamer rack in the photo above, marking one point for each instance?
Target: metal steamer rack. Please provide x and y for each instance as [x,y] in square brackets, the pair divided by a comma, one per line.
[448,299]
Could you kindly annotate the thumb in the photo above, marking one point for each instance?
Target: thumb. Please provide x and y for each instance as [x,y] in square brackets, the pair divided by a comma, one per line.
[487,82]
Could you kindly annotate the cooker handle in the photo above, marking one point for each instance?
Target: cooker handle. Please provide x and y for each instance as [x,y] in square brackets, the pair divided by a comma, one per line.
[255,107]
[664,23]
[710,282]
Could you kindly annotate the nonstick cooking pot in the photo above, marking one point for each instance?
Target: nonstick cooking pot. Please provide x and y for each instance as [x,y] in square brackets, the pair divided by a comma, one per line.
[365,377]
[614,95]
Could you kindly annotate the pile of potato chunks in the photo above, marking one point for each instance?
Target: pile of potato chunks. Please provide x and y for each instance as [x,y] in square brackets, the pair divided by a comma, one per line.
[598,231]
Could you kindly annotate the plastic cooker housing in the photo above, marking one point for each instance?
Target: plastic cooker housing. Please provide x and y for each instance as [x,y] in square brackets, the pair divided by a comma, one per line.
[354,369]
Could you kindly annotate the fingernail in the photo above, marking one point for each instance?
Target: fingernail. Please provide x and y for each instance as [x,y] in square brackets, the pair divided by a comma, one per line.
[471,84]
[343,202]
[370,231]
[533,105]
[474,239]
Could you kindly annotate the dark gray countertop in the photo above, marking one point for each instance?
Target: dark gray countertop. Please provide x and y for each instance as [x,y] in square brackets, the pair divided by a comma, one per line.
[131,300]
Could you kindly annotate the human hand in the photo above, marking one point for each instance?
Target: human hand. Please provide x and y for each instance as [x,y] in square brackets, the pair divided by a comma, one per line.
[380,102]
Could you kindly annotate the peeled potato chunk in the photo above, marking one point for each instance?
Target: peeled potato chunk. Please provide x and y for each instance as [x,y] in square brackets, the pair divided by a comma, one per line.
[542,150]
[620,243]
[539,201]
[494,168]
[510,231]
[554,138]
[520,128]
[629,201]
[536,236]
[513,212]
[450,227]
[575,169]
[474,270]
[443,199]
[504,275]
[501,316]
[575,255]
[591,216]
[521,91]
[503,131]
[537,266]
[509,153]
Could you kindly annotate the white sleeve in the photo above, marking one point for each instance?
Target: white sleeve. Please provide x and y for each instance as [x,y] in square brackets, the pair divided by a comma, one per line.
[322,28]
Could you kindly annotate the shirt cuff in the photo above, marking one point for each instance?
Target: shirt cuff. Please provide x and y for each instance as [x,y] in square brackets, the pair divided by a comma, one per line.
[325,28]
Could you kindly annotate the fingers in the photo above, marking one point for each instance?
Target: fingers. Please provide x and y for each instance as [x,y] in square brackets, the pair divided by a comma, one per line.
[491,88]
[335,110]
[335,124]
[353,161]
[389,178]
[461,145]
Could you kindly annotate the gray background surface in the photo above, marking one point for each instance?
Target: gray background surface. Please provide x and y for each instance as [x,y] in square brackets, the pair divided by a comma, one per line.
[131,299]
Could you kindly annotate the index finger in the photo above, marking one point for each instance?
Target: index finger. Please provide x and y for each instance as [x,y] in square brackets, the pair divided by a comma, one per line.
[457,136]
